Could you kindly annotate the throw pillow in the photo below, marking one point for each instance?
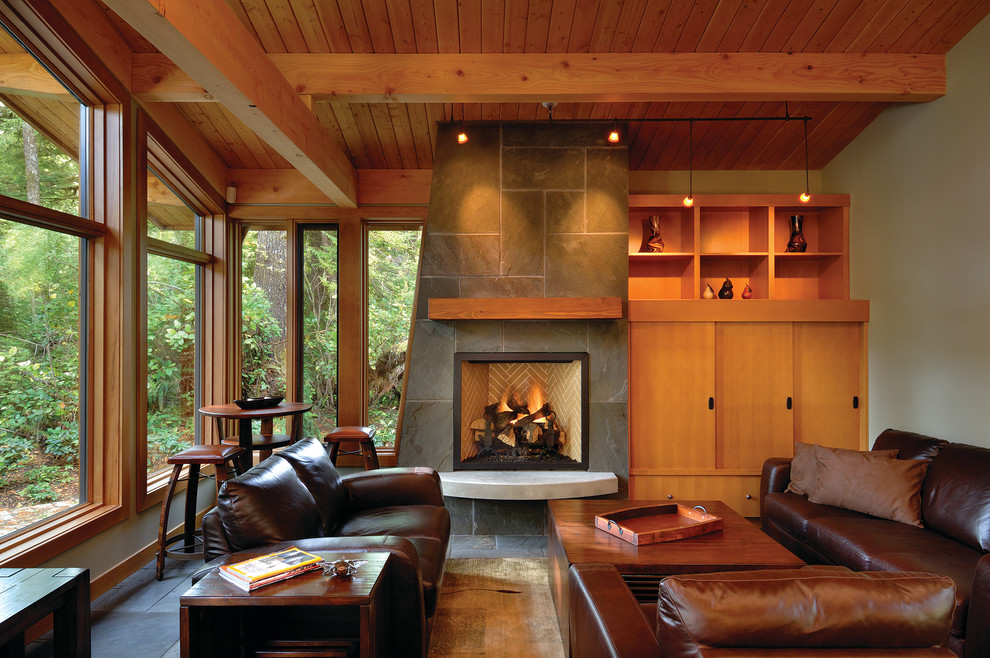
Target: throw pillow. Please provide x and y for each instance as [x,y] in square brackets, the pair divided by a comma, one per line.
[885,488]
[804,466]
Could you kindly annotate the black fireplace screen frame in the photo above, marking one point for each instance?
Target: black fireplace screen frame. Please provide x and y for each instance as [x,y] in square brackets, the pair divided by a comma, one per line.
[523,357]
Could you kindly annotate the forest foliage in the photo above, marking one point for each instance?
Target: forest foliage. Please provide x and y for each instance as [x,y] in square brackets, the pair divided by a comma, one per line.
[39,323]
[40,341]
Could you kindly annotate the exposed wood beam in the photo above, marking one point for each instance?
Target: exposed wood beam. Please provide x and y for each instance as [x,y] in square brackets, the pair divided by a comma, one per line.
[325,213]
[578,77]
[205,39]
[375,187]
[24,76]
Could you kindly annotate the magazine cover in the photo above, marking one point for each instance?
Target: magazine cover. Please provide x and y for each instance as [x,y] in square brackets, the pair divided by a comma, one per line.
[273,564]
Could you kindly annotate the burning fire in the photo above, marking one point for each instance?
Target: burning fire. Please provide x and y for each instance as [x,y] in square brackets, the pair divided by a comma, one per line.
[535,399]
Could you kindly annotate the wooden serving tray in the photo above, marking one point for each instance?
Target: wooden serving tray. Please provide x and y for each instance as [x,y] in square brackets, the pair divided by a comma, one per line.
[657,523]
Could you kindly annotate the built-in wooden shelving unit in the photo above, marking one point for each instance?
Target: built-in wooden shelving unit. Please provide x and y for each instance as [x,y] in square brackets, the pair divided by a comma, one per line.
[718,385]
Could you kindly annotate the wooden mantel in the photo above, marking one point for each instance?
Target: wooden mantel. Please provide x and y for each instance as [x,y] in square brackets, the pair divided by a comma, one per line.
[526,308]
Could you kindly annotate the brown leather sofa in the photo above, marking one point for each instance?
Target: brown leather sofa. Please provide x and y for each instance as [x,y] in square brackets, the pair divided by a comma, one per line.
[297,498]
[823,611]
[955,539]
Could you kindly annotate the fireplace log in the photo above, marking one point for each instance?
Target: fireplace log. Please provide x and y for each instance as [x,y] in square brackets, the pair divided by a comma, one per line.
[539,413]
[514,404]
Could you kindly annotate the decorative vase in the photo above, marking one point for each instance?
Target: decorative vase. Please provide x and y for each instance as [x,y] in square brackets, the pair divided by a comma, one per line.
[726,291]
[655,244]
[797,241]
[708,293]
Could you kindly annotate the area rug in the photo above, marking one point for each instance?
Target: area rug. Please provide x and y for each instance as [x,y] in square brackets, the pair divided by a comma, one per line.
[496,607]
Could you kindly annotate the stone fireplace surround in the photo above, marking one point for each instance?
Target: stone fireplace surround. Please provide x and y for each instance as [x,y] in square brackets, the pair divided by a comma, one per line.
[521,210]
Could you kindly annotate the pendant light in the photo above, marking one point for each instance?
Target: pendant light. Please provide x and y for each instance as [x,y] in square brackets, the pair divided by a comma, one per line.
[462,137]
[806,195]
[613,135]
[689,199]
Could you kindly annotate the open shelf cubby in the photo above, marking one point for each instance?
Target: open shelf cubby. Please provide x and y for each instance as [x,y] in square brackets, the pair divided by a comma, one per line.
[742,237]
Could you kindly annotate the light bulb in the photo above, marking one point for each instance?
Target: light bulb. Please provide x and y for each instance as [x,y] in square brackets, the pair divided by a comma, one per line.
[805,197]
[462,137]
[688,201]
[614,136]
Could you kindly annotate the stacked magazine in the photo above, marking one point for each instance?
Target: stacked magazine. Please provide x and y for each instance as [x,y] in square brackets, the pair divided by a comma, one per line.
[272,568]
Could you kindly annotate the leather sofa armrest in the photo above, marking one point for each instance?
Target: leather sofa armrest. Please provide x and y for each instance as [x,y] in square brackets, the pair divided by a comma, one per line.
[214,538]
[605,618]
[978,617]
[774,478]
[386,487]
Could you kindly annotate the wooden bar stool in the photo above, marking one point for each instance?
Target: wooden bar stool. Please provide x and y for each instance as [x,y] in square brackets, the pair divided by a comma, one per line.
[355,434]
[194,457]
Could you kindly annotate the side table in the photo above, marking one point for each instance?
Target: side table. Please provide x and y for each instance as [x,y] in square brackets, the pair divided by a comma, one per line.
[244,417]
[29,595]
[309,615]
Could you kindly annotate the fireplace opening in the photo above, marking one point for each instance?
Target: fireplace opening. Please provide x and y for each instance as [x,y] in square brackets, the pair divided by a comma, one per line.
[519,411]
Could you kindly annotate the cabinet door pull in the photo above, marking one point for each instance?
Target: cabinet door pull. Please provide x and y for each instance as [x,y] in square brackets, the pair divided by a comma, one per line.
[855,402]
[749,496]
[711,403]
[789,402]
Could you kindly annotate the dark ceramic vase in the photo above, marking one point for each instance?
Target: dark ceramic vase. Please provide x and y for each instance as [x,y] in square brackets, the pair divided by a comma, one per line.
[797,241]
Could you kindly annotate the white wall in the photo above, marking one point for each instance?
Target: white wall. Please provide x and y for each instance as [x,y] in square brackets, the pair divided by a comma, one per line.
[919,178]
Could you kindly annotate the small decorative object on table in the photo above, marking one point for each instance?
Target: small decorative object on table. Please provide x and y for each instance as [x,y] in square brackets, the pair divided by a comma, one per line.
[708,293]
[260,403]
[342,568]
[747,292]
[655,244]
[797,243]
[726,290]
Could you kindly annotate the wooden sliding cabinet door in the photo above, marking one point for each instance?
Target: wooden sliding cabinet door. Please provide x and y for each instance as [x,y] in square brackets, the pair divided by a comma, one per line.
[827,379]
[753,399]
[671,380]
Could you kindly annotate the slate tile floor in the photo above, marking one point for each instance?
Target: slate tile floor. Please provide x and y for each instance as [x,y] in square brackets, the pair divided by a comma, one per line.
[139,618]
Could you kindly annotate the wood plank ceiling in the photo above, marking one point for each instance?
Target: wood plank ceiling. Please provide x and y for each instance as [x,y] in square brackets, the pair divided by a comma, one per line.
[402,135]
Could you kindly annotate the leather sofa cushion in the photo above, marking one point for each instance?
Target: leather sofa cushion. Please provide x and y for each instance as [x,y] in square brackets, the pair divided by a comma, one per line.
[909,445]
[854,542]
[794,513]
[315,470]
[266,505]
[802,609]
[956,496]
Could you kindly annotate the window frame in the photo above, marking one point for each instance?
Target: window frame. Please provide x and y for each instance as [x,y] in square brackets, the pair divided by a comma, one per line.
[164,160]
[352,328]
[104,140]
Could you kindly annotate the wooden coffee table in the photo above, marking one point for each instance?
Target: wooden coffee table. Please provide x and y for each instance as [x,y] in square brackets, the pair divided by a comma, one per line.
[299,616]
[574,539]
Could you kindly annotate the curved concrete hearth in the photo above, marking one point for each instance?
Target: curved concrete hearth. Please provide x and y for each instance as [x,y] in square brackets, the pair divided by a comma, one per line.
[527,485]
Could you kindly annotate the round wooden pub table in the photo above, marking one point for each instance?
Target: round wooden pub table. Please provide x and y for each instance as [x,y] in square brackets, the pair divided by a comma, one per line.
[267,440]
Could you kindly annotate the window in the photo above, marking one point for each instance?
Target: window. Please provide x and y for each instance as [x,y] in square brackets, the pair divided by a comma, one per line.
[319,306]
[173,319]
[263,308]
[42,302]
[40,368]
[393,260]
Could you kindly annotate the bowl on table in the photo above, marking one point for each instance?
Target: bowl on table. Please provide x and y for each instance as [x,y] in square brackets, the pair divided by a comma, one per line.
[260,403]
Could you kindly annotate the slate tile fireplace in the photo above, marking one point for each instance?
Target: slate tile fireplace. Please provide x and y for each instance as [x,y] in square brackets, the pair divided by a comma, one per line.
[523,210]
[520,411]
